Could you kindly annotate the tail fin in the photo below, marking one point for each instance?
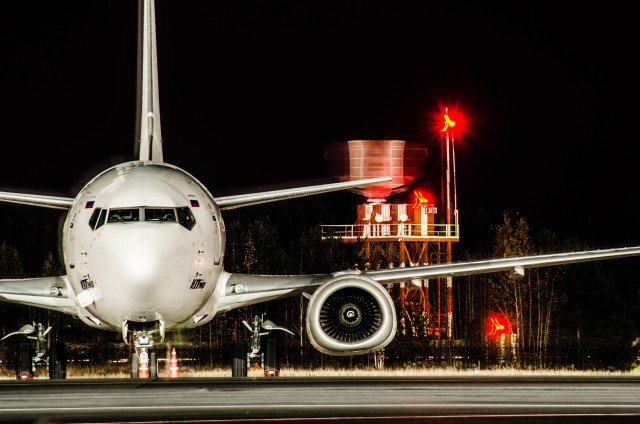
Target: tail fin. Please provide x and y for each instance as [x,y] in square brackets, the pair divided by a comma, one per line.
[148,135]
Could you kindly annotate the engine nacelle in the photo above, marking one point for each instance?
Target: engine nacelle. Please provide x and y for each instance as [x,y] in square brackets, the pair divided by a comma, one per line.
[351,315]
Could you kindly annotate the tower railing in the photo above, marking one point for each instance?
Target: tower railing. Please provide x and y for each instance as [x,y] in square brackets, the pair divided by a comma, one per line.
[396,231]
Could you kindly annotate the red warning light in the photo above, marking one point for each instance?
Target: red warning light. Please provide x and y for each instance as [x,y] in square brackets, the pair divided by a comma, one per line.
[447,123]
[419,199]
[452,118]
[497,325]
[422,197]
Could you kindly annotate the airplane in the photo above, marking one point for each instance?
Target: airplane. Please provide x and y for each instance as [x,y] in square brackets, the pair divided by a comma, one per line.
[143,245]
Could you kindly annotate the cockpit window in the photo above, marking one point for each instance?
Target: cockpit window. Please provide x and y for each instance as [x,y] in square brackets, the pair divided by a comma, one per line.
[97,218]
[102,218]
[124,215]
[182,216]
[186,218]
[160,214]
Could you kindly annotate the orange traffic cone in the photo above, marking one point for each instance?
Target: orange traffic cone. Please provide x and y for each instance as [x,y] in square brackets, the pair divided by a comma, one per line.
[173,368]
[143,368]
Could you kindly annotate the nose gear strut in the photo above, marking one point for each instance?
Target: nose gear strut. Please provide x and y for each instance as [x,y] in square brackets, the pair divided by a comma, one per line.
[265,354]
[144,361]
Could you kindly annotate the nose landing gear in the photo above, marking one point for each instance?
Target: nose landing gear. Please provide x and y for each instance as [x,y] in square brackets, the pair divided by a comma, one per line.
[143,360]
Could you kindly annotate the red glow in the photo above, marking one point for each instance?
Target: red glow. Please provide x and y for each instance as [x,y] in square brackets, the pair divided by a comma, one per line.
[423,197]
[497,325]
[419,199]
[458,120]
[447,123]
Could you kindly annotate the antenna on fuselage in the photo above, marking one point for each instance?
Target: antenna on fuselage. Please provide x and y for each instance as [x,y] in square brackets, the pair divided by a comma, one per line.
[148,145]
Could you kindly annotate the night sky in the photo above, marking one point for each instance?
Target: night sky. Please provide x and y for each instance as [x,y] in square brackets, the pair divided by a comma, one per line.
[251,92]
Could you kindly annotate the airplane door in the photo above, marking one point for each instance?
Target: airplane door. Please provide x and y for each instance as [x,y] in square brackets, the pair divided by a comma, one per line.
[75,246]
[217,239]
[218,228]
[70,242]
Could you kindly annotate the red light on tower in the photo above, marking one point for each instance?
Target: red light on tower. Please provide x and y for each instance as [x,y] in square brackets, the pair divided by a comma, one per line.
[497,325]
[447,123]
[446,118]
[422,197]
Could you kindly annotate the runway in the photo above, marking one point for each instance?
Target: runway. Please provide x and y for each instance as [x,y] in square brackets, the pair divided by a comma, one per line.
[467,399]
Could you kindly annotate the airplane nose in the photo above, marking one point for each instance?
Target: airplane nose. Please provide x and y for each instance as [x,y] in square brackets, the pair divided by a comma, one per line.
[143,258]
[139,259]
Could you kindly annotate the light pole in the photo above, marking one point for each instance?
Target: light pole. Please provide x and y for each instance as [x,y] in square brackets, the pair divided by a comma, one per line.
[450,160]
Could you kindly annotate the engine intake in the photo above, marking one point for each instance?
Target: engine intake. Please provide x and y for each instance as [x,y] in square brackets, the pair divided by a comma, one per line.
[351,315]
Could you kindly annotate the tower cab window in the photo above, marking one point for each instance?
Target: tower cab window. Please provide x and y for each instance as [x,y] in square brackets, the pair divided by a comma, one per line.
[182,216]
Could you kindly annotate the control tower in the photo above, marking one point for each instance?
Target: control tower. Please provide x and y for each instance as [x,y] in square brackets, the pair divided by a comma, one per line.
[403,234]
[358,159]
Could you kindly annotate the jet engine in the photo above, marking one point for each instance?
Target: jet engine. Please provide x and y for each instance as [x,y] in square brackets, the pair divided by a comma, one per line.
[351,315]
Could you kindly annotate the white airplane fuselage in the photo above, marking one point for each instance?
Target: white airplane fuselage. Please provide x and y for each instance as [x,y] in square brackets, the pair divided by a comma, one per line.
[143,242]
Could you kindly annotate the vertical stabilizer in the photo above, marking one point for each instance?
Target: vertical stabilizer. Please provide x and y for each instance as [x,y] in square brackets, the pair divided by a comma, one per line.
[148,135]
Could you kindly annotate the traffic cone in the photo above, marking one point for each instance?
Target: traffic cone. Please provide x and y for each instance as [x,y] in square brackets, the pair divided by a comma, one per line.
[143,368]
[173,368]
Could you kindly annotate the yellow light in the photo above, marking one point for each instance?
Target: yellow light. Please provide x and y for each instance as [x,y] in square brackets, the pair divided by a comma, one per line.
[420,199]
[447,123]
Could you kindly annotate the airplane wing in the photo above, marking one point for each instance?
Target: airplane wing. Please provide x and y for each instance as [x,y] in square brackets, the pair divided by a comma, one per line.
[241,200]
[55,202]
[225,202]
[516,265]
[243,290]
[43,292]
[352,312]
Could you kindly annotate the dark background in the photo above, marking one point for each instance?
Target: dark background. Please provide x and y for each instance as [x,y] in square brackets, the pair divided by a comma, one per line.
[251,93]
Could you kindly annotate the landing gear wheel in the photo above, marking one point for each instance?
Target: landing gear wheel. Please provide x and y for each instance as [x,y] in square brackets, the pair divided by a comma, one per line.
[271,363]
[24,362]
[134,365]
[57,361]
[153,365]
[239,365]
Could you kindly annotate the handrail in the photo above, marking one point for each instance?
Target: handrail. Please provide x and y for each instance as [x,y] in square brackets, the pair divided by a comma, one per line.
[386,231]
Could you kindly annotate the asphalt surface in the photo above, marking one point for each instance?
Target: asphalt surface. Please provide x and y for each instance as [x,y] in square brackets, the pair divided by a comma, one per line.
[468,399]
